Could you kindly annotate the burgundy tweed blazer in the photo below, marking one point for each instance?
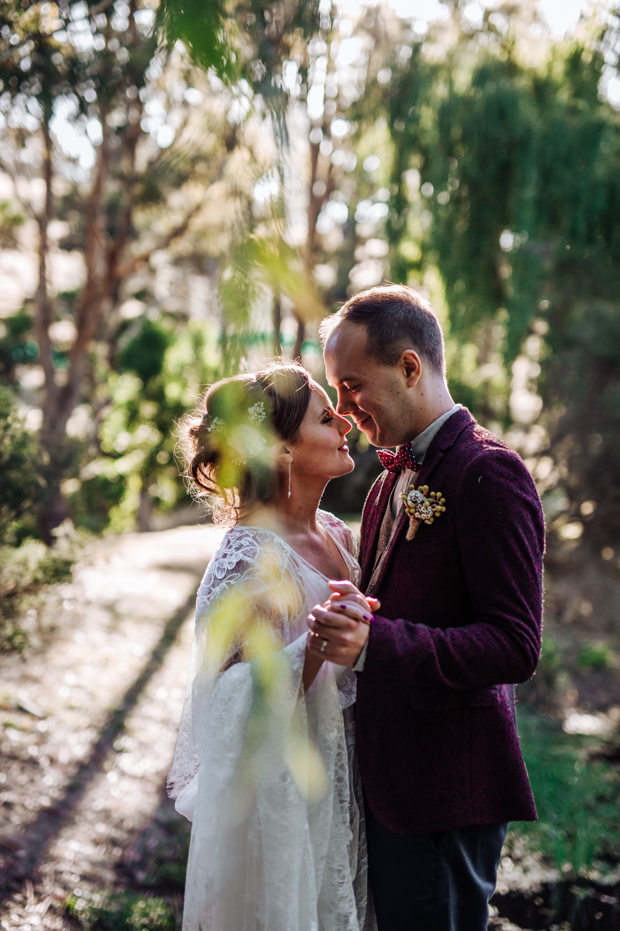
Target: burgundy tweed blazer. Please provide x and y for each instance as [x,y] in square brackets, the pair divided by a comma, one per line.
[460,621]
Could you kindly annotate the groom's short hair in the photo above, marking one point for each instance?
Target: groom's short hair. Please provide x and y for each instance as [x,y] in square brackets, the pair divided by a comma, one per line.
[396,318]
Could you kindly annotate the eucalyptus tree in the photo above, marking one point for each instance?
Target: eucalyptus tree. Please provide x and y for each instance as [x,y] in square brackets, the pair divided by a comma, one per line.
[252,46]
[312,68]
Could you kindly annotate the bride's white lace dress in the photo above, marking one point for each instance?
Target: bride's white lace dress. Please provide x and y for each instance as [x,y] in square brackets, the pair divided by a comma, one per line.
[266,773]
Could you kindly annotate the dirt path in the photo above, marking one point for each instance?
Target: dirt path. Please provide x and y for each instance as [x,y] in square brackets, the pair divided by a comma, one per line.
[89,718]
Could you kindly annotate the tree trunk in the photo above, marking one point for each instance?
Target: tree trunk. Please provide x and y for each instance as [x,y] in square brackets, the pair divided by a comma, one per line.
[316,200]
[144,512]
[277,324]
[51,510]
[61,400]
[299,338]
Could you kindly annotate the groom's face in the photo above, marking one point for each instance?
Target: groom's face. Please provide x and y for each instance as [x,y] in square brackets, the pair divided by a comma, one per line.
[377,397]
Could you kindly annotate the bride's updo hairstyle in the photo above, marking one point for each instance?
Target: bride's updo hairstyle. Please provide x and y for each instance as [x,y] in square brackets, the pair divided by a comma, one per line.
[229,441]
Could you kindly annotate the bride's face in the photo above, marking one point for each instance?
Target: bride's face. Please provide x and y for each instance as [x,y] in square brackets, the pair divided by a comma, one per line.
[321,448]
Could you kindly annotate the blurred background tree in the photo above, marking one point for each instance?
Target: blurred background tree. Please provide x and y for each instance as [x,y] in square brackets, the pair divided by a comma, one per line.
[221,175]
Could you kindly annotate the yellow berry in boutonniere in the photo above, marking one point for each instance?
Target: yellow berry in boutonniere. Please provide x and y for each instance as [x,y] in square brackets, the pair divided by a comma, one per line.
[422,507]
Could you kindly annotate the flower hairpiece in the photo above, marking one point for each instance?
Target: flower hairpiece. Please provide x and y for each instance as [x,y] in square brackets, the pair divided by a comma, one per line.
[243,441]
[216,424]
[257,412]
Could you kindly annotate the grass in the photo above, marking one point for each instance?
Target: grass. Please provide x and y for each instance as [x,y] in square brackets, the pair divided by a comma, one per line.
[150,882]
[577,796]
[122,911]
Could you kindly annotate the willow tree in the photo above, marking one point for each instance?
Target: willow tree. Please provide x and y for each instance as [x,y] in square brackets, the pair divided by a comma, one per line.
[517,182]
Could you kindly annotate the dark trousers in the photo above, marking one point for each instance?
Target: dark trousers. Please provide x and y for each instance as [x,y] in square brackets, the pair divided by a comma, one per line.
[433,882]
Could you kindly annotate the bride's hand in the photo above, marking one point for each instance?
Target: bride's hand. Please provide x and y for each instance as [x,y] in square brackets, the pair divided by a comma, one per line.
[341,626]
[349,599]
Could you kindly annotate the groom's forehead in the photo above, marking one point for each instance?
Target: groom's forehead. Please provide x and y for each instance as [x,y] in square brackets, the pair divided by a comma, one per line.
[342,367]
[346,350]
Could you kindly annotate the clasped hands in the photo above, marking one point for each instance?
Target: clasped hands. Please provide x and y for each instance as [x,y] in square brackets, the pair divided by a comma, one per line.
[339,627]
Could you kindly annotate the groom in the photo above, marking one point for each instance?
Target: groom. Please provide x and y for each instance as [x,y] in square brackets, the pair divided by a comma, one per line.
[460,620]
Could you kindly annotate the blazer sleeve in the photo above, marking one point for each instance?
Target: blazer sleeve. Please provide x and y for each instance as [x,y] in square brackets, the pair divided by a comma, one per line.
[500,530]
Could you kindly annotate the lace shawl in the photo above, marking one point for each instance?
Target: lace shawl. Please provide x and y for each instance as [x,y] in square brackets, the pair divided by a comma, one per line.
[266,773]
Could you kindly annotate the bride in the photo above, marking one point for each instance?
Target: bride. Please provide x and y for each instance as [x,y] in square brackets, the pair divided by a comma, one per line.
[264,765]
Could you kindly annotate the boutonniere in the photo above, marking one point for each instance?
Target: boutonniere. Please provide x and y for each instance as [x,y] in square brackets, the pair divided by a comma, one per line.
[422,507]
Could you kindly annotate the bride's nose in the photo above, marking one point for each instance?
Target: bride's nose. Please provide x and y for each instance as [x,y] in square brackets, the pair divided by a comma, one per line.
[343,425]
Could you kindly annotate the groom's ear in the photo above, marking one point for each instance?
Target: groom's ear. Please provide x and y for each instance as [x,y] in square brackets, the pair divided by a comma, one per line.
[411,366]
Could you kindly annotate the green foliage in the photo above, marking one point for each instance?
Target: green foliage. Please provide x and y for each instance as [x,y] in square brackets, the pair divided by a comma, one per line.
[164,365]
[577,798]
[42,68]
[91,503]
[122,911]
[144,353]
[249,40]
[260,265]
[519,150]
[21,487]
[517,206]
[31,566]
[15,346]
[208,31]
[595,656]
[11,218]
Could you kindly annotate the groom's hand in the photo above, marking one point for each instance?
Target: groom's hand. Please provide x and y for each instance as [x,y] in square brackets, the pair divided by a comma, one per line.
[348,596]
[340,627]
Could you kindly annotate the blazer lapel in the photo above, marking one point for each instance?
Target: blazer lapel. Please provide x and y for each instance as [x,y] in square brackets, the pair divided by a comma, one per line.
[441,443]
[376,505]
[399,530]
[446,438]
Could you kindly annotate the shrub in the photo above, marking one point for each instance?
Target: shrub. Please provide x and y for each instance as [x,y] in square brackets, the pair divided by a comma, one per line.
[595,656]
[16,344]
[24,571]
[21,487]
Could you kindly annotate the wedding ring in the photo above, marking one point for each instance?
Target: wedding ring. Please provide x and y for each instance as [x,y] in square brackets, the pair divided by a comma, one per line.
[324,646]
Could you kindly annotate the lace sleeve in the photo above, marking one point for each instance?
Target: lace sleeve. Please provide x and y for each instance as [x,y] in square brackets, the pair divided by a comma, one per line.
[245,604]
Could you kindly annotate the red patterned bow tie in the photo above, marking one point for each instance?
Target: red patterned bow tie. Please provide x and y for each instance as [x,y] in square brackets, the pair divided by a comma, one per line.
[403,459]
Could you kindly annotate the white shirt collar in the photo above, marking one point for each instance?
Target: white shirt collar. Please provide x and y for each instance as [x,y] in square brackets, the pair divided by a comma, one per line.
[419,446]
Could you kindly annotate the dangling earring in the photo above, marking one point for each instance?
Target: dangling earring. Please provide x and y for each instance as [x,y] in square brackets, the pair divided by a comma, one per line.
[289,480]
